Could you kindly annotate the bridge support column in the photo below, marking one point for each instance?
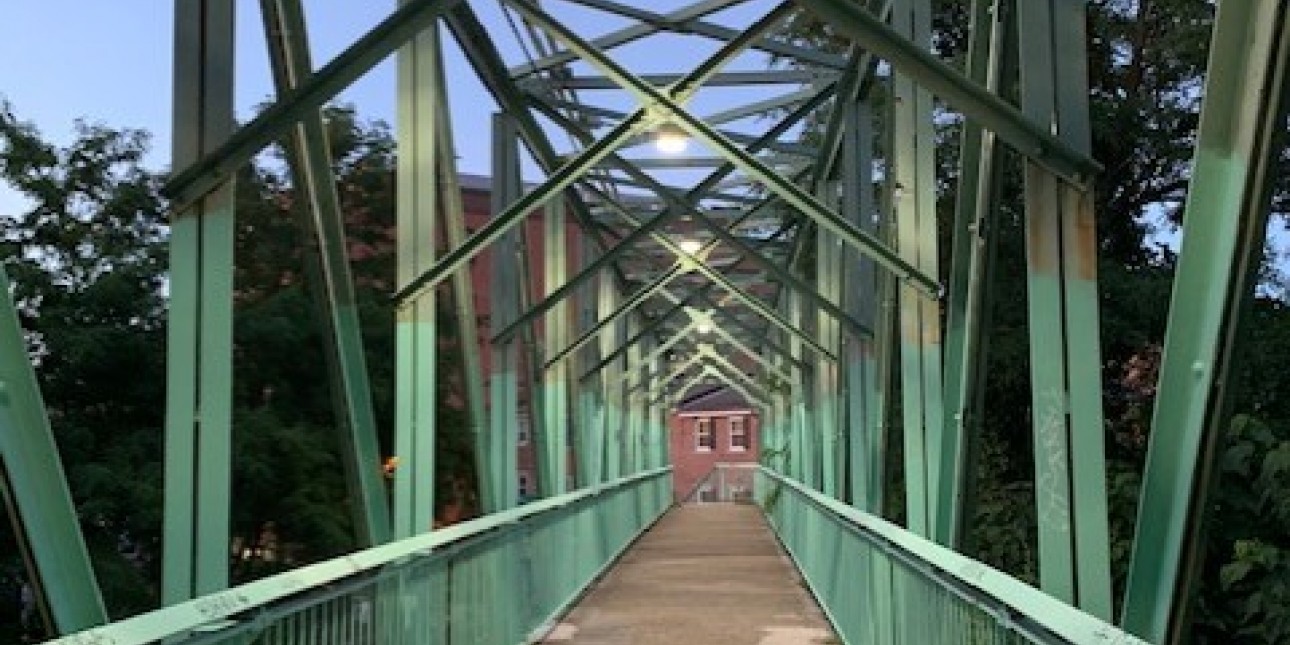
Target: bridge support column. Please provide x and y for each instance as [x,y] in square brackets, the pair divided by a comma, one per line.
[970,279]
[1061,256]
[859,297]
[553,464]
[415,322]
[828,266]
[199,351]
[504,364]
[914,201]
[1242,132]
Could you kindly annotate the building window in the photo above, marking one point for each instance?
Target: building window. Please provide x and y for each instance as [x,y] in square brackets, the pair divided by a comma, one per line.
[704,441]
[524,483]
[738,434]
[523,430]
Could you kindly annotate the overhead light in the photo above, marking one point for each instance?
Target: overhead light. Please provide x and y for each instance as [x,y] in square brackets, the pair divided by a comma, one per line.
[704,327]
[690,246]
[670,139]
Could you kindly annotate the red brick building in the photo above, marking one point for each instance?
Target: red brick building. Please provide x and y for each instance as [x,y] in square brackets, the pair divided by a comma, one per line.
[712,427]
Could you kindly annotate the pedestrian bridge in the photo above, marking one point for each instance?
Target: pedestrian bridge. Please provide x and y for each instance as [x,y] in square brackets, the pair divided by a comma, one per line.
[621,563]
[793,255]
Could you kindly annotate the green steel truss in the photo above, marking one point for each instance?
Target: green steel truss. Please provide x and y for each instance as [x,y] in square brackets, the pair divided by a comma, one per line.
[793,256]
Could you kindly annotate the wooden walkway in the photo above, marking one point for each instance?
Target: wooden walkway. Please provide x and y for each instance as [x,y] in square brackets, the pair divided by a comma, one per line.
[705,574]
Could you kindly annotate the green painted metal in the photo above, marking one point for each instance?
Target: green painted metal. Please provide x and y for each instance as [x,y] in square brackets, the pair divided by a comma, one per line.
[586,431]
[1070,471]
[463,296]
[703,28]
[972,247]
[327,272]
[571,170]
[914,201]
[629,34]
[828,261]
[199,352]
[556,547]
[922,592]
[555,378]
[1225,219]
[416,205]
[647,94]
[202,174]
[35,490]
[912,59]
[864,462]
[504,294]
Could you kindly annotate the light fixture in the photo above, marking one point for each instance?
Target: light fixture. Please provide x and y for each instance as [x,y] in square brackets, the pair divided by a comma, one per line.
[670,139]
[704,327]
[690,246]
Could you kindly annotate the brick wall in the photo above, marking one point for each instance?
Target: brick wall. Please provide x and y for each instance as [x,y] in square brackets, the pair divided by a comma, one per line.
[689,463]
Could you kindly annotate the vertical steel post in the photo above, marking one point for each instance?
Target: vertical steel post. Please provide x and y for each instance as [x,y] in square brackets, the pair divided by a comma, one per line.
[504,294]
[859,298]
[635,407]
[606,433]
[199,349]
[555,381]
[828,263]
[805,433]
[1242,133]
[914,194]
[1061,256]
[35,491]
[974,228]
[415,358]
[587,449]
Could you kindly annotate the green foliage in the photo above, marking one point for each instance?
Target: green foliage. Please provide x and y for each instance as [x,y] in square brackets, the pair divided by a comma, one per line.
[88,256]
[1245,595]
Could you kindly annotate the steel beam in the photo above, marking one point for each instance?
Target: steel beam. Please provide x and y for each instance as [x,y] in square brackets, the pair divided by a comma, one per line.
[416,206]
[777,47]
[1242,135]
[199,347]
[973,246]
[1028,136]
[555,378]
[328,274]
[629,34]
[1066,369]
[647,94]
[217,165]
[34,488]
[914,202]
[463,296]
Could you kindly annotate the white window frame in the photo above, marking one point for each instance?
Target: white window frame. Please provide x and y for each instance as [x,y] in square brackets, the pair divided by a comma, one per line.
[699,425]
[523,430]
[743,432]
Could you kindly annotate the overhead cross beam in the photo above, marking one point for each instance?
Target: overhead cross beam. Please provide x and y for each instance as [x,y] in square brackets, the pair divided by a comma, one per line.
[791,193]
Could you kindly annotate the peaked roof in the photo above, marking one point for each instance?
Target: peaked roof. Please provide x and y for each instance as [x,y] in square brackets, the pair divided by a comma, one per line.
[715,399]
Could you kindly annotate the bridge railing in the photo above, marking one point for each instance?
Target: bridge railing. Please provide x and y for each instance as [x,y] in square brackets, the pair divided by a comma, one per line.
[498,579]
[879,583]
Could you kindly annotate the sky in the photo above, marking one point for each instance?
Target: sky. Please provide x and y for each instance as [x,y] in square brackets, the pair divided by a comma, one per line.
[113,63]
[110,63]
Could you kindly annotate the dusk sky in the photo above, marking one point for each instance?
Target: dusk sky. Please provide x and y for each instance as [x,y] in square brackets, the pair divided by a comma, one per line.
[110,63]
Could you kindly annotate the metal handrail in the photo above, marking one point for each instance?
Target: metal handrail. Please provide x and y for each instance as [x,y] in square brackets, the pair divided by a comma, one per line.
[223,610]
[1014,605]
